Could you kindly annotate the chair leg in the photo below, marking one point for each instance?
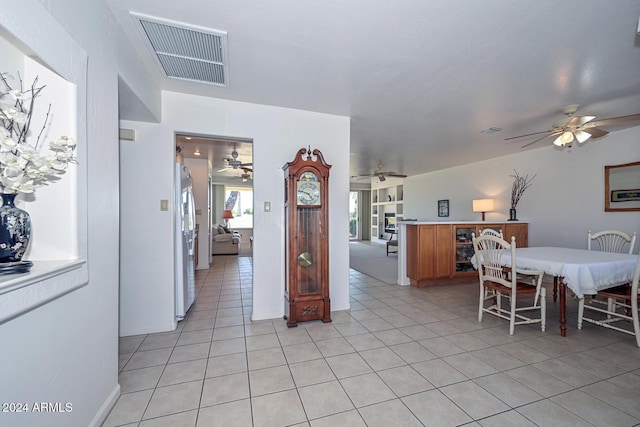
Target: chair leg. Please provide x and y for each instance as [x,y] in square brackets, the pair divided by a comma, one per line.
[512,320]
[636,326]
[580,311]
[481,305]
[555,288]
[543,308]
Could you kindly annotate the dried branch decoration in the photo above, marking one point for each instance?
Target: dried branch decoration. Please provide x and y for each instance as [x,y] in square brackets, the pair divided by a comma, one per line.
[520,183]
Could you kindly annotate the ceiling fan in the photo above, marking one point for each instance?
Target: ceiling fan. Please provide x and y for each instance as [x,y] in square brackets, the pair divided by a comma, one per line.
[382,174]
[578,128]
[234,163]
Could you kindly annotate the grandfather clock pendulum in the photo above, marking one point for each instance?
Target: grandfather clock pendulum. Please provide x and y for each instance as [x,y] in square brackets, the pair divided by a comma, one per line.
[307,238]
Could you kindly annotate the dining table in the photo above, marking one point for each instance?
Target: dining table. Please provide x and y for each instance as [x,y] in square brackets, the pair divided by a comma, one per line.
[584,272]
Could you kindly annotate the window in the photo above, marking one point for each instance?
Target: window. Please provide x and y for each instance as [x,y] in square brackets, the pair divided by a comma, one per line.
[353,215]
[241,205]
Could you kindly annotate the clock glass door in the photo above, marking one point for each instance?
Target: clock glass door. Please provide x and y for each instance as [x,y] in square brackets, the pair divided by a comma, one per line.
[308,242]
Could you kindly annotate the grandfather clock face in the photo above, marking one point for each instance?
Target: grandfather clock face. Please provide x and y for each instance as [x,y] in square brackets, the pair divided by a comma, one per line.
[308,190]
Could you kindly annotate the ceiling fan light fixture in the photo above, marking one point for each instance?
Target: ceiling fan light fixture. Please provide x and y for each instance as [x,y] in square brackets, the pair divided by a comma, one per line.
[197,152]
[582,136]
[565,138]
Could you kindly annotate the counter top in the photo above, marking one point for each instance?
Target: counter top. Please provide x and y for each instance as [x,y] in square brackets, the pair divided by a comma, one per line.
[461,222]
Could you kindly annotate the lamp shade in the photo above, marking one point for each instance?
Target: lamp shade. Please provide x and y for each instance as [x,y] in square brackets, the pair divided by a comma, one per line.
[227,214]
[483,205]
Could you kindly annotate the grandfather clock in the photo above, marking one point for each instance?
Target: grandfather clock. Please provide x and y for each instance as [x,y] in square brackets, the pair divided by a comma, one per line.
[307,238]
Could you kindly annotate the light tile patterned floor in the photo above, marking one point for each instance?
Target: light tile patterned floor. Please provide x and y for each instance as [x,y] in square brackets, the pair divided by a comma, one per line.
[400,357]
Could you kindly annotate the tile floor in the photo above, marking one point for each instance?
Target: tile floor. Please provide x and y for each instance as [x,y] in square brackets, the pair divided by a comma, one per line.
[400,357]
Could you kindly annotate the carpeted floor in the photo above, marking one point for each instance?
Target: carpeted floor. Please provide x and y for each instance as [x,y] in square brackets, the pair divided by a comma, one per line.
[371,259]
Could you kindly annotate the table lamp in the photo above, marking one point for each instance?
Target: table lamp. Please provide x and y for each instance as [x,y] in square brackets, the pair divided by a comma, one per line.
[483,205]
[227,215]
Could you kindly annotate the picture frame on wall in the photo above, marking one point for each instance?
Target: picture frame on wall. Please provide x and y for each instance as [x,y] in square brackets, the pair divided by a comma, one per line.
[443,208]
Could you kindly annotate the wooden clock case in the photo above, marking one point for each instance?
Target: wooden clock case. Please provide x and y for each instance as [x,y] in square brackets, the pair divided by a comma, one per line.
[306,240]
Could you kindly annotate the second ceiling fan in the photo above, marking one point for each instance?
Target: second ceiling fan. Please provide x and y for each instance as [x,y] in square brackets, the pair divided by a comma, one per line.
[234,163]
[382,174]
[579,128]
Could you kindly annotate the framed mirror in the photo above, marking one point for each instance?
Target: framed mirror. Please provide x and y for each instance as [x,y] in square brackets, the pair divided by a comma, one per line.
[622,187]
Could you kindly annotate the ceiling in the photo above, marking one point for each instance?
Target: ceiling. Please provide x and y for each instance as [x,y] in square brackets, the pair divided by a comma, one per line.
[420,79]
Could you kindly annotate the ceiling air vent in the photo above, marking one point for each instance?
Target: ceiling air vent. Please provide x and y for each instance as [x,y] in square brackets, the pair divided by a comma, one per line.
[188,53]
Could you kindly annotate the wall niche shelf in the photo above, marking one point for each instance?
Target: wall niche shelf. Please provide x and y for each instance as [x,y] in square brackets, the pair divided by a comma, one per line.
[58,247]
[386,207]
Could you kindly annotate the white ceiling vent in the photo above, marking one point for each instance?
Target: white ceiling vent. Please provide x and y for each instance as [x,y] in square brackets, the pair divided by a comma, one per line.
[187,53]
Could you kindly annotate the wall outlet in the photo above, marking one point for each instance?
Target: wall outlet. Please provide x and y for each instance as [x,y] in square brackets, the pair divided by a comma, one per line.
[164,205]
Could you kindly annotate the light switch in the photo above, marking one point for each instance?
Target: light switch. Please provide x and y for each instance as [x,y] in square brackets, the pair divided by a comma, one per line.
[164,205]
[267,206]
[198,211]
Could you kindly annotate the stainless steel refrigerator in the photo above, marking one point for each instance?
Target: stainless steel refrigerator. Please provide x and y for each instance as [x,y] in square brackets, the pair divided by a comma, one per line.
[185,218]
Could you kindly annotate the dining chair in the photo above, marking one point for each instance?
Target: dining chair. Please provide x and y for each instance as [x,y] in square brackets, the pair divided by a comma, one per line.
[492,232]
[612,241]
[623,315]
[391,243]
[607,241]
[507,282]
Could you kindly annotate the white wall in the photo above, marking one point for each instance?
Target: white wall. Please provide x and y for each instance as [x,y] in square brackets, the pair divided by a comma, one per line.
[200,177]
[147,299]
[67,349]
[565,200]
[277,134]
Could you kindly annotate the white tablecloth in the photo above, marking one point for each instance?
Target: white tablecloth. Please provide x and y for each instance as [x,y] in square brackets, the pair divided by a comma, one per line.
[584,272]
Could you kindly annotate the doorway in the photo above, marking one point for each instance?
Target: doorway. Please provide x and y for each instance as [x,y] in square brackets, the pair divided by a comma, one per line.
[353,216]
[229,163]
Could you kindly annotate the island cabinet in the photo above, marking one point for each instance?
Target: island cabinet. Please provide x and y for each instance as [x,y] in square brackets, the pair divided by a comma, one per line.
[440,253]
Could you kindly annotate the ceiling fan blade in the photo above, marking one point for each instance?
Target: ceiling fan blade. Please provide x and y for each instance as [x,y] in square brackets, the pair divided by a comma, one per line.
[595,133]
[616,121]
[223,169]
[578,121]
[529,134]
[540,139]
[396,175]
[246,164]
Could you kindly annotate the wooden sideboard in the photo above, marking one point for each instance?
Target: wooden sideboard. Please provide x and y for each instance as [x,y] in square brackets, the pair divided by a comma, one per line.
[440,253]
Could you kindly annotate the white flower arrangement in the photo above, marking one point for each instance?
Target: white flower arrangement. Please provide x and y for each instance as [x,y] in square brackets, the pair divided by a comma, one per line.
[22,167]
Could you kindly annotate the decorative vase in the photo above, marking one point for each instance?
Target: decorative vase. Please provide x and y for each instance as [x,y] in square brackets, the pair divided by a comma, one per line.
[15,230]
[512,214]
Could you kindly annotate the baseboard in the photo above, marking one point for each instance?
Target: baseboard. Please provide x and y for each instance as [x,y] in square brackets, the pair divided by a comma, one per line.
[106,407]
[256,317]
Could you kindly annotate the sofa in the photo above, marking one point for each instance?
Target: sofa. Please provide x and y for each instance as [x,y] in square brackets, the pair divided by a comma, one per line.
[224,241]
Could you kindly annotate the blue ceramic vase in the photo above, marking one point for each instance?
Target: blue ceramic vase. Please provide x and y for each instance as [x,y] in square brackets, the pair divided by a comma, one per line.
[15,230]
